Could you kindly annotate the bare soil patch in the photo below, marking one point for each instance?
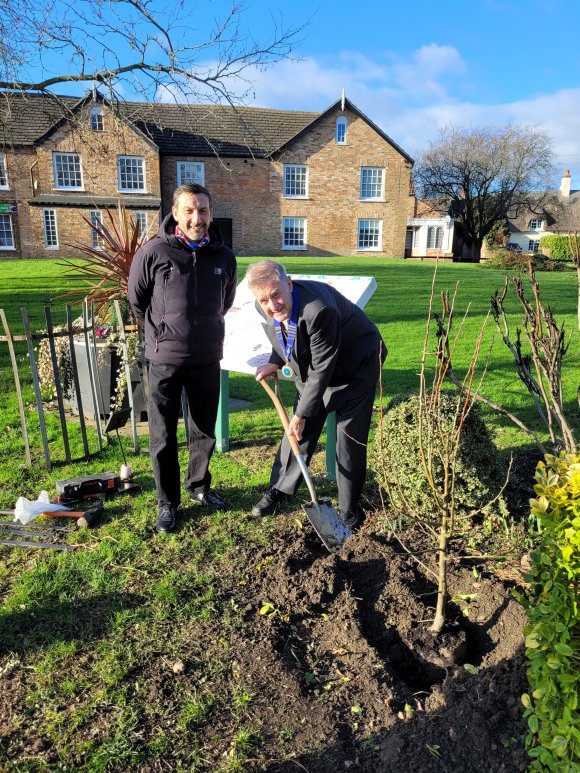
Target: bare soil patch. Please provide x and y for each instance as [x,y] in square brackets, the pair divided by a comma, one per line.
[347,667]
[340,671]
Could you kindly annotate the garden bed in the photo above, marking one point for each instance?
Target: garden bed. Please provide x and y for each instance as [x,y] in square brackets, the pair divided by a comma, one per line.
[331,663]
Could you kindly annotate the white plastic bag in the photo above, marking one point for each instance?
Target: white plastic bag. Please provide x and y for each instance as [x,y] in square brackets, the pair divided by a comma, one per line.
[26,510]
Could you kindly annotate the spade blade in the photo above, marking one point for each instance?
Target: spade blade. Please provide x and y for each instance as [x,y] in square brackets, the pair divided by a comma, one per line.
[327,524]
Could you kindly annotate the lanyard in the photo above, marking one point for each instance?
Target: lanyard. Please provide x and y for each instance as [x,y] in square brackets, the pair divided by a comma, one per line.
[288,344]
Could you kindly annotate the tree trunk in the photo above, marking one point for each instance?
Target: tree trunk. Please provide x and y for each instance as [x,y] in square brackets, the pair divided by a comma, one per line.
[439,620]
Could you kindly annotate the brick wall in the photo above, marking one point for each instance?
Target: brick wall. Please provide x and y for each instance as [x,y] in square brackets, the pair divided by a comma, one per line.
[31,174]
[19,161]
[333,206]
[250,192]
[240,190]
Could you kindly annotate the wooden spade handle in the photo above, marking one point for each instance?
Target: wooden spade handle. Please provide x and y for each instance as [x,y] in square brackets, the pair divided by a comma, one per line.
[283,416]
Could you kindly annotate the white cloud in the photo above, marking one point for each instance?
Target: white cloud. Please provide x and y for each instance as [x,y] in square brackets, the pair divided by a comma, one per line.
[410,100]
[304,82]
[421,75]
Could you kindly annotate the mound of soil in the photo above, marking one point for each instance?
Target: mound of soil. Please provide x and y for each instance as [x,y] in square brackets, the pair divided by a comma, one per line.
[339,657]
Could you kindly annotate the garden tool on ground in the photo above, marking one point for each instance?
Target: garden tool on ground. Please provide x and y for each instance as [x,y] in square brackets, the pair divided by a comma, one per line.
[84,518]
[321,514]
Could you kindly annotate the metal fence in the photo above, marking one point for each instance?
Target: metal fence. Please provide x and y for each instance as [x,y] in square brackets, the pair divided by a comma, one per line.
[88,370]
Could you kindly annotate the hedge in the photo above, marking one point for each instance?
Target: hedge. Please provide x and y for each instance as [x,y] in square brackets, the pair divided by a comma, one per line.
[553,632]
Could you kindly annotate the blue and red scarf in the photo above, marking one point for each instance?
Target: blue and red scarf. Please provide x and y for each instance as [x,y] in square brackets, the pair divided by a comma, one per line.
[188,242]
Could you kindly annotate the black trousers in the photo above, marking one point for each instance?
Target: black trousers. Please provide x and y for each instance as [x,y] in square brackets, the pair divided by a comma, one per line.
[202,387]
[353,421]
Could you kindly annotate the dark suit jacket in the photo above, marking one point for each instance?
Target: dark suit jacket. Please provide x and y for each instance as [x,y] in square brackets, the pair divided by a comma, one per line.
[336,350]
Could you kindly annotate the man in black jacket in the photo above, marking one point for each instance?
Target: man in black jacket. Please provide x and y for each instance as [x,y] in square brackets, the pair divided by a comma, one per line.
[181,284]
[334,352]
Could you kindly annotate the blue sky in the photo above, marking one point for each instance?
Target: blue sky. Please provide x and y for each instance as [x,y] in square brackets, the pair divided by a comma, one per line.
[412,67]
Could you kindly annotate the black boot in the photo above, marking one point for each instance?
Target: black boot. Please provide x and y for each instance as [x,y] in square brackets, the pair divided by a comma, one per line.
[354,518]
[269,502]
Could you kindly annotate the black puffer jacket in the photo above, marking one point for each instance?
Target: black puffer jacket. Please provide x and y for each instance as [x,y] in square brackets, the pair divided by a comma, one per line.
[181,296]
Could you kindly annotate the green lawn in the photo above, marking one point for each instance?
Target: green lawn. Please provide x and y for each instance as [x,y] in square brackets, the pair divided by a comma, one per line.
[78,630]
[399,308]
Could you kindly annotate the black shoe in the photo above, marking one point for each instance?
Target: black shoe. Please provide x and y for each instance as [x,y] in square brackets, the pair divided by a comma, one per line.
[269,502]
[209,498]
[166,519]
[353,519]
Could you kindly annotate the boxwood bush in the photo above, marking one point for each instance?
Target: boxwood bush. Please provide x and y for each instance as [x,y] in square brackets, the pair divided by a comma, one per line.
[479,472]
[553,607]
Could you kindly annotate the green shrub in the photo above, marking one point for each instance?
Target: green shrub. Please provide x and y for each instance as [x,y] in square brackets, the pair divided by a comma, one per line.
[558,245]
[510,260]
[479,471]
[553,632]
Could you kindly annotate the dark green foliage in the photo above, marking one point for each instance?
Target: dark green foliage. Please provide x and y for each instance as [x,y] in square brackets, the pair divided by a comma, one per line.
[510,260]
[499,234]
[558,246]
[479,470]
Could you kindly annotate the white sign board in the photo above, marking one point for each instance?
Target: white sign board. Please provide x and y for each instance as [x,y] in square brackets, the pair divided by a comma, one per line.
[246,345]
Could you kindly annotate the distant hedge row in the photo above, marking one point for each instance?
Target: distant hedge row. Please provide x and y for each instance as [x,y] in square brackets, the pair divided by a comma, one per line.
[557,246]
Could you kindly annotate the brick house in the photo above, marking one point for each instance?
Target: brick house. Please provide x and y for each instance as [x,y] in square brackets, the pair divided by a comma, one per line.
[330,183]
[54,172]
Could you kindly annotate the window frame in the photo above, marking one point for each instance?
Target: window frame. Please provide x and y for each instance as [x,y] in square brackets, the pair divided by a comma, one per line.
[342,124]
[4,186]
[533,245]
[287,195]
[59,154]
[295,247]
[9,221]
[378,247]
[138,215]
[181,181]
[438,240]
[54,225]
[97,125]
[381,196]
[538,224]
[121,159]
[96,239]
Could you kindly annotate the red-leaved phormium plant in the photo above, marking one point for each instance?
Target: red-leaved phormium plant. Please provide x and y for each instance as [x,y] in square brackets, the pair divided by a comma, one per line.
[104,272]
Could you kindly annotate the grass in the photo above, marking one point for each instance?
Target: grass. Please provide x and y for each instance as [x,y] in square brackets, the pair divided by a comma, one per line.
[93,640]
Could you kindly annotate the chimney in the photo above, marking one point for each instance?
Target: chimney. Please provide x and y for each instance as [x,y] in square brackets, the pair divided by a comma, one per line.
[565,184]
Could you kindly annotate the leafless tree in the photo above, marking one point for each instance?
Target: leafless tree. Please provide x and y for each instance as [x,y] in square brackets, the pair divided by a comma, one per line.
[142,48]
[486,174]
[540,370]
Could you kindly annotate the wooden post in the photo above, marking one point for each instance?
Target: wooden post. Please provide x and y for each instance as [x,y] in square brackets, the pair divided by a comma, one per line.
[123,339]
[57,382]
[73,359]
[18,389]
[36,384]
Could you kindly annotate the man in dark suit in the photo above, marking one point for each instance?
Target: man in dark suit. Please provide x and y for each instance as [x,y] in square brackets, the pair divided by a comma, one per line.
[334,352]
